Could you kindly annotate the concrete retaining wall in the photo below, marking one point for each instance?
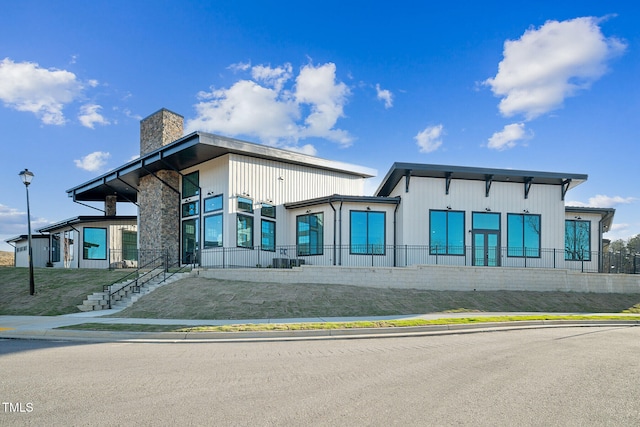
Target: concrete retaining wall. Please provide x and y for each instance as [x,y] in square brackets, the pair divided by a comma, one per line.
[451,278]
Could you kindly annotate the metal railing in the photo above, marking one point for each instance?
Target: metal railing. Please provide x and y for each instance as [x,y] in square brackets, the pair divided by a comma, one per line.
[132,258]
[406,255]
[133,281]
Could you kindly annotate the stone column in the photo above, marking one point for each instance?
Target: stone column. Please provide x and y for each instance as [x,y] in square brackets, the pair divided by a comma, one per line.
[159,204]
[110,205]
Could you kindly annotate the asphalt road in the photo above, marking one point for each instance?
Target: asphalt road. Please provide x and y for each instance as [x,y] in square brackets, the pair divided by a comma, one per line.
[542,377]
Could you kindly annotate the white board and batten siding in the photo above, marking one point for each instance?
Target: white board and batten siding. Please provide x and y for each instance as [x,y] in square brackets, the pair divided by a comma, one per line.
[268,181]
[427,194]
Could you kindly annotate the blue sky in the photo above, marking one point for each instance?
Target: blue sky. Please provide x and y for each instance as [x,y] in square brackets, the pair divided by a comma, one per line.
[546,86]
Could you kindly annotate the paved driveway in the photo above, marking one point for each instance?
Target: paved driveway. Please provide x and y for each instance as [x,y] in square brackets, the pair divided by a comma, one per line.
[556,376]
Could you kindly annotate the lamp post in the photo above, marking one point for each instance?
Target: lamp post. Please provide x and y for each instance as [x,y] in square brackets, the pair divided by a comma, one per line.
[26,177]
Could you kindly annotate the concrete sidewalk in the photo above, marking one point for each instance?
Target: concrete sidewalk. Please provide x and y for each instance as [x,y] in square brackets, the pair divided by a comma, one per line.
[45,327]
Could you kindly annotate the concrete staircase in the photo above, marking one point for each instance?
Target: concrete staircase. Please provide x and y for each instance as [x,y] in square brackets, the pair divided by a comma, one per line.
[128,294]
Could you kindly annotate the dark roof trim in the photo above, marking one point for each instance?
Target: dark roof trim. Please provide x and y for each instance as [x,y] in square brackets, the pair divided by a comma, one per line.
[606,213]
[192,150]
[25,237]
[400,170]
[339,198]
[85,220]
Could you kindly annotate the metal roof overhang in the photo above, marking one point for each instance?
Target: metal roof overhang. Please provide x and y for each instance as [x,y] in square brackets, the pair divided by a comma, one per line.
[340,198]
[84,220]
[189,151]
[400,170]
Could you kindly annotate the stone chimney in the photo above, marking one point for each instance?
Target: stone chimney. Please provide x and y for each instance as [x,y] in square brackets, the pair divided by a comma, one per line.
[158,202]
[160,129]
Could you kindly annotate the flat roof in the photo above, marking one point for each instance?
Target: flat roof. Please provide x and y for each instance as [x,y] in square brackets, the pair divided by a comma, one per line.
[399,170]
[191,150]
[26,236]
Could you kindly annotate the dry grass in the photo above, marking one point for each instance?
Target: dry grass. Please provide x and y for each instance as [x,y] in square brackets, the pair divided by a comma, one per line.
[6,259]
[199,298]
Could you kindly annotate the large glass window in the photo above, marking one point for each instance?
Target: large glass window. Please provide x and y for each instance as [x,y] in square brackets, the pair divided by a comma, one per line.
[94,243]
[190,240]
[245,231]
[191,185]
[55,248]
[446,231]
[367,232]
[577,240]
[523,235]
[212,204]
[129,245]
[310,234]
[213,231]
[268,235]
[486,221]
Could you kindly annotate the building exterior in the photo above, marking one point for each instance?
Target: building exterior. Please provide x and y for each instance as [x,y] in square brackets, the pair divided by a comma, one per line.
[40,250]
[222,202]
[93,242]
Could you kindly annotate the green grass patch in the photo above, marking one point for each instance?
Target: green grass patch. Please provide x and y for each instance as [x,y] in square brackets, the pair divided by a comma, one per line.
[58,291]
[401,323]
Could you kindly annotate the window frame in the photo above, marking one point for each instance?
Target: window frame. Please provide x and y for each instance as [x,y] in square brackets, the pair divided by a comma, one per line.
[187,184]
[55,247]
[186,206]
[126,245]
[369,247]
[249,219]
[434,249]
[207,209]
[574,251]
[272,247]
[319,247]
[218,244]
[268,210]
[246,201]
[523,250]
[84,242]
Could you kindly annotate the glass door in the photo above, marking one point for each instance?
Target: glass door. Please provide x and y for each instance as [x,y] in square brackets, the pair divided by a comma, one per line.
[486,239]
[486,249]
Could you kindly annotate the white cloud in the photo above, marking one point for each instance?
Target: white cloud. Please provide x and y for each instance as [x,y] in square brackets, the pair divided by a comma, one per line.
[548,64]
[509,137]
[239,66]
[93,162]
[25,86]
[602,201]
[270,106]
[385,95]
[13,222]
[430,139]
[317,87]
[89,116]
[274,77]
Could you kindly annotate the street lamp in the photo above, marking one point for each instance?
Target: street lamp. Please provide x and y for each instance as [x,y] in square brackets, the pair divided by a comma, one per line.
[26,177]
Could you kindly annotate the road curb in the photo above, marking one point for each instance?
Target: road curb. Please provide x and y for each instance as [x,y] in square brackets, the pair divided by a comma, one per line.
[314,334]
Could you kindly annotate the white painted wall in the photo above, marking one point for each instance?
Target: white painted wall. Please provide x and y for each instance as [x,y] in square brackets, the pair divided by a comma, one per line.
[39,250]
[469,196]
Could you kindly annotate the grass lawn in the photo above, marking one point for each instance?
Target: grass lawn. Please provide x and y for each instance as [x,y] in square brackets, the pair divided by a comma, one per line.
[58,291]
[199,298]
